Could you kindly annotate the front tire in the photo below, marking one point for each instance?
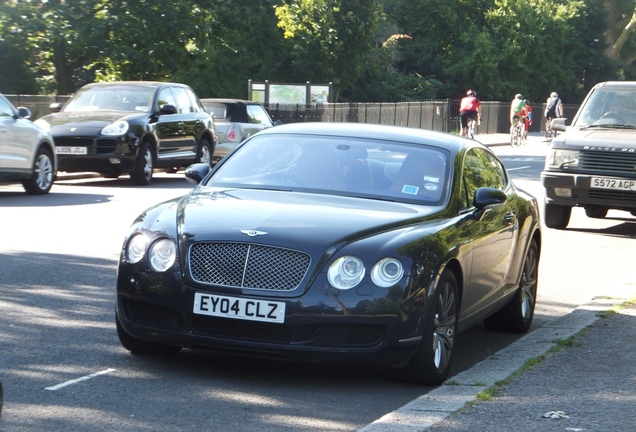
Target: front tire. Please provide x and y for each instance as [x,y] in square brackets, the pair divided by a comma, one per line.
[595,212]
[557,216]
[142,174]
[138,346]
[41,180]
[431,363]
[517,315]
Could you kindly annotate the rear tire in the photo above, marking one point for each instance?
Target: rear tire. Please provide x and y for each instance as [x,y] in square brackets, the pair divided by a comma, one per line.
[204,155]
[138,346]
[41,180]
[557,216]
[431,363]
[142,175]
[517,315]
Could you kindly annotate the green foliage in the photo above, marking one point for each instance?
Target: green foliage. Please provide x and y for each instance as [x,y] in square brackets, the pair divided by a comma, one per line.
[372,50]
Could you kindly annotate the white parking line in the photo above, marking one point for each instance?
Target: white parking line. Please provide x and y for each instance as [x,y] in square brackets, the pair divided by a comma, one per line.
[518,168]
[80,379]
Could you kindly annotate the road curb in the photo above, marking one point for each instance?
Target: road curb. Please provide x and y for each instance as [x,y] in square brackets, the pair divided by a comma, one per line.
[440,403]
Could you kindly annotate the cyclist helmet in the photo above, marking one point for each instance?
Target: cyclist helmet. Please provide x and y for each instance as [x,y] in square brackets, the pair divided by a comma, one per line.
[471,93]
[519,96]
[554,95]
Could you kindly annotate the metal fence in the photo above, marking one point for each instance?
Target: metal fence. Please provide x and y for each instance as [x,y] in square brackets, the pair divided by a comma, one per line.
[441,114]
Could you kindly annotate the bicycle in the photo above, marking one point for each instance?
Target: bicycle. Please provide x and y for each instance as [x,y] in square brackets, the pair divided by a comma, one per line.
[549,132]
[472,126]
[516,136]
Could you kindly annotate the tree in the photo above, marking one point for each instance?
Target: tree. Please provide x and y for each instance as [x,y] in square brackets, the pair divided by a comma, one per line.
[330,36]
[619,32]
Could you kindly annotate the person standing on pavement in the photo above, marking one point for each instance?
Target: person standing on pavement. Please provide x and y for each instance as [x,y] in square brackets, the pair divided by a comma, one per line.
[469,110]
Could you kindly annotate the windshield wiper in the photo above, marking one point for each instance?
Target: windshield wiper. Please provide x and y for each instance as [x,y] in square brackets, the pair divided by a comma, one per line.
[610,126]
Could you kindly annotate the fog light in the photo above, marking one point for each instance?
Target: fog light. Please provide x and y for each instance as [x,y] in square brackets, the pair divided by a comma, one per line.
[563,192]
[114,161]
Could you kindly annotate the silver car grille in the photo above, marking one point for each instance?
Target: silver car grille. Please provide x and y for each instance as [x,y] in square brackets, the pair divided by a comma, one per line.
[244,265]
[617,163]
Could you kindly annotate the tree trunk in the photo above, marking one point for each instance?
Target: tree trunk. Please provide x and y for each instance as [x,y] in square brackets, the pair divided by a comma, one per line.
[61,68]
[616,45]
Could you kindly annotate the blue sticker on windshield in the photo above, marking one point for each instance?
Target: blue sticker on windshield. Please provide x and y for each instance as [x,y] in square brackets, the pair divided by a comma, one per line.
[408,189]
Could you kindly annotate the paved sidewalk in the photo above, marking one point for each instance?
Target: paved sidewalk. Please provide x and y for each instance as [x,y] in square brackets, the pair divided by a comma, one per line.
[592,384]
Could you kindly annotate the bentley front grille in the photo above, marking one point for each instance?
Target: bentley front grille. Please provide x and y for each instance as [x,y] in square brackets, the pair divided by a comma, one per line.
[243,265]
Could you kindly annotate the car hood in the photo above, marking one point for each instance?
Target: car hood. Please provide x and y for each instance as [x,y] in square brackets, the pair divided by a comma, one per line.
[597,139]
[80,122]
[291,219]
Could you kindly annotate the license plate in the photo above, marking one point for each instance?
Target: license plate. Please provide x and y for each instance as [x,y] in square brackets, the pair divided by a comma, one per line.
[615,184]
[239,308]
[71,150]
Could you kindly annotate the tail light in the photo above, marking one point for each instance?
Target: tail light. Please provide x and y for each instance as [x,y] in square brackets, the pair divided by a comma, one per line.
[231,133]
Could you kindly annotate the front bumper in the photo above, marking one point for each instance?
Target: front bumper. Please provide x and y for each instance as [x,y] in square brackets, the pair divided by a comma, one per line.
[577,186]
[319,326]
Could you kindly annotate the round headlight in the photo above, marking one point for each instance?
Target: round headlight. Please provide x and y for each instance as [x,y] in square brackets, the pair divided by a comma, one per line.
[161,255]
[346,272]
[136,248]
[118,128]
[387,272]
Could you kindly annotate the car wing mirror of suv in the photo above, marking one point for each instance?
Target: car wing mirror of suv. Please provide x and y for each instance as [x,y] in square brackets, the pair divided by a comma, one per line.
[56,107]
[24,113]
[167,109]
[560,124]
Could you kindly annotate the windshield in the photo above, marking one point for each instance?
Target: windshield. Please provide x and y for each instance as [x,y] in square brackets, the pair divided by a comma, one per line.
[347,166]
[114,98]
[608,108]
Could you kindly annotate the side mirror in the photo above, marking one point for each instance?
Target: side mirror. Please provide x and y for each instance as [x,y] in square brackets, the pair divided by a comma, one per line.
[56,107]
[488,197]
[168,109]
[560,124]
[195,173]
[24,113]
[278,122]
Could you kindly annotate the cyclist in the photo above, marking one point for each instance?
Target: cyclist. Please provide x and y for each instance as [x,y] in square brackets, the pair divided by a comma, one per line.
[553,109]
[526,114]
[469,110]
[516,112]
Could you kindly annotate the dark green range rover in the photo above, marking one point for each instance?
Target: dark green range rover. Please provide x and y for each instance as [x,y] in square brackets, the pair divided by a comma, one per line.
[593,164]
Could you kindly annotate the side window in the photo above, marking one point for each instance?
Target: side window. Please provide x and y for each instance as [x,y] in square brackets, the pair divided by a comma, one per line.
[481,169]
[166,97]
[184,105]
[5,109]
[258,115]
[195,103]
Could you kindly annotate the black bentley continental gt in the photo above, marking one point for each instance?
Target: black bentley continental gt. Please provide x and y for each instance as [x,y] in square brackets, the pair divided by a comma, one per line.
[334,242]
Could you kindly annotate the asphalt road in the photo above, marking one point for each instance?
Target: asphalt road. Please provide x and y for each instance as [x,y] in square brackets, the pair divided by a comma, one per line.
[63,368]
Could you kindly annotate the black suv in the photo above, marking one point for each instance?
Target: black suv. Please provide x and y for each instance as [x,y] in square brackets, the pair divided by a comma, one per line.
[132,127]
[593,164]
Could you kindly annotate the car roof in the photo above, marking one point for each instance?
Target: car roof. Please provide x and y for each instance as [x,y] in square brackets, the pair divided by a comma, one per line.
[135,83]
[374,131]
[631,85]
[228,101]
